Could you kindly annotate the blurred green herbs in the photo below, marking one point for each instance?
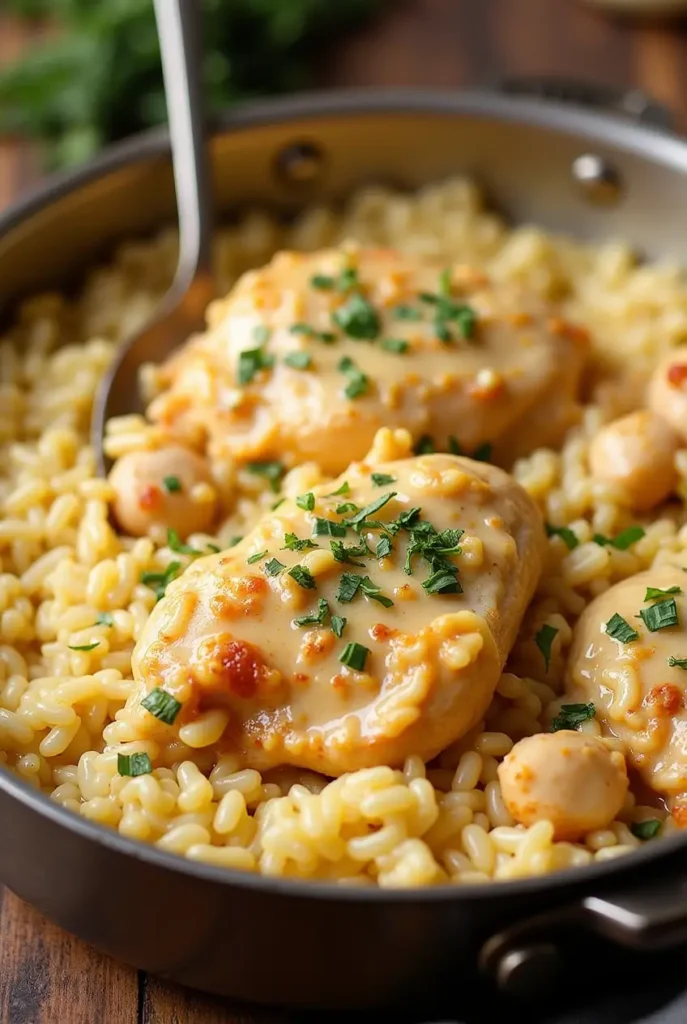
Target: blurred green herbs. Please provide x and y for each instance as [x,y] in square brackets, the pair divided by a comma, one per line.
[98,78]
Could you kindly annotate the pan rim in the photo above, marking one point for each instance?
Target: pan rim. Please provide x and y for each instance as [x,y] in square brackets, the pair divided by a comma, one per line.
[604,129]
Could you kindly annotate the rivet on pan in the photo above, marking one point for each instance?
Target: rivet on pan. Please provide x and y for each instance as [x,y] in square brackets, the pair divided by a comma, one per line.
[597,179]
[300,163]
[529,970]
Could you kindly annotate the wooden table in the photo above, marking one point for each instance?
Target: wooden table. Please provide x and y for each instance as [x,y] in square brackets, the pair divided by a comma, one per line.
[46,976]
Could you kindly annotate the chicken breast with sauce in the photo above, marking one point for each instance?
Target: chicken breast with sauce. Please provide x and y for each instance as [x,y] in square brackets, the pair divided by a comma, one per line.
[259,630]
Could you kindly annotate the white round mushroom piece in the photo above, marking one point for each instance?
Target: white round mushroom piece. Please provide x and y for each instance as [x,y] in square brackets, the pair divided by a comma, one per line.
[636,454]
[170,487]
[568,778]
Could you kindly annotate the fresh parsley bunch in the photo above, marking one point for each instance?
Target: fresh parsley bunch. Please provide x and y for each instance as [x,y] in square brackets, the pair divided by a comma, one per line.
[98,78]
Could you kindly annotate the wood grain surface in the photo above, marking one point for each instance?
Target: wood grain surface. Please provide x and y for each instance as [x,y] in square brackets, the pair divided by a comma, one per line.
[47,976]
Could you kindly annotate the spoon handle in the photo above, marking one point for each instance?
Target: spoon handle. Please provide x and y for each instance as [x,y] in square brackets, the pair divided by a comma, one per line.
[179,24]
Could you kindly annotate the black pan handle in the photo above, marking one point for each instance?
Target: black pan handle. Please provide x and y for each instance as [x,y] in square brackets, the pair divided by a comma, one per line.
[632,104]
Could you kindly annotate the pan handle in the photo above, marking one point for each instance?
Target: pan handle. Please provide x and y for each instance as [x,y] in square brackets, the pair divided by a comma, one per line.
[632,104]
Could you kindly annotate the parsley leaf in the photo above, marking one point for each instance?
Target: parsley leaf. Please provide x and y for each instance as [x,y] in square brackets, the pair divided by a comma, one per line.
[172,484]
[174,542]
[257,557]
[328,528]
[354,656]
[544,639]
[358,318]
[655,593]
[565,533]
[397,345]
[251,361]
[572,716]
[383,547]
[162,705]
[349,585]
[293,543]
[104,619]
[306,501]
[317,618]
[661,615]
[338,625]
[344,489]
[303,577]
[322,281]
[404,312]
[309,332]
[677,662]
[133,765]
[83,647]
[624,539]
[374,506]
[620,629]
[647,829]
[159,581]
[298,360]
[274,567]
[272,470]
[348,554]
[424,445]
[382,479]
[357,380]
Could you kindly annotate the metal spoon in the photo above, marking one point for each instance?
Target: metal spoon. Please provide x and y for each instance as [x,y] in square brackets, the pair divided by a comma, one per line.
[182,309]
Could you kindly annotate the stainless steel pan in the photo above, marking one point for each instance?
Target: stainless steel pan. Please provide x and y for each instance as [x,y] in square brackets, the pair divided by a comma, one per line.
[567,167]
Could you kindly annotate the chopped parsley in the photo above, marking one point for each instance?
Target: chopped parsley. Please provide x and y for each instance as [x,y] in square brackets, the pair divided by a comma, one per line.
[162,705]
[383,547]
[83,647]
[357,381]
[317,618]
[620,629]
[232,542]
[571,716]
[294,543]
[298,360]
[624,539]
[348,278]
[544,639]
[446,312]
[338,625]
[327,528]
[303,577]
[322,281]
[565,533]
[309,332]
[382,479]
[397,345]
[257,557]
[172,484]
[176,544]
[647,829]
[104,619]
[424,445]
[374,592]
[347,506]
[358,318]
[132,765]
[306,501]
[354,656]
[443,581]
[216,548]
[159,581]
[433,546]
[274,567]
[374,506]
[677,662]
[656,594]
[261,334]
[405,312]
[349,585]
[344,489]
[251,361]
[272,470]
[661,615]
[483,452]
[349,554]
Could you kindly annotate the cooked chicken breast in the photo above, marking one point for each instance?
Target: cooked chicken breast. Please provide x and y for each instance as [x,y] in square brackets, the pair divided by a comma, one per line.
[629,656]
[357,624]
[309,356]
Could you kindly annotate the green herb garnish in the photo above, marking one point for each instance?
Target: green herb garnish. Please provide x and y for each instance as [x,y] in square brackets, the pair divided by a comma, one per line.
[261,334]
[303,577]
[677,662]
[298,360]
[317,618]
[358,318]
[104,619]
[656,594]
[257,557]
[272,470]
[159,581]
[357,381]
[342,553]
[327,528]
[620,629]
[309,332]
[661,615]
[306,501]
[565,533]
[132,765]
[83,647]
[404,312]
[347,506]
[383,479]
[483,452]
[338,625]
[322,281]
[172,484]
[647,829]
[294,543]
[397,345]
[354,656]
[624,539]
[274,567]
[344,489]
[571,716]
[443,581]
[349,585]
[162,705]
[544,639]
[366,512]
[176,544]
[383,547]
[424,445]
[251,361]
